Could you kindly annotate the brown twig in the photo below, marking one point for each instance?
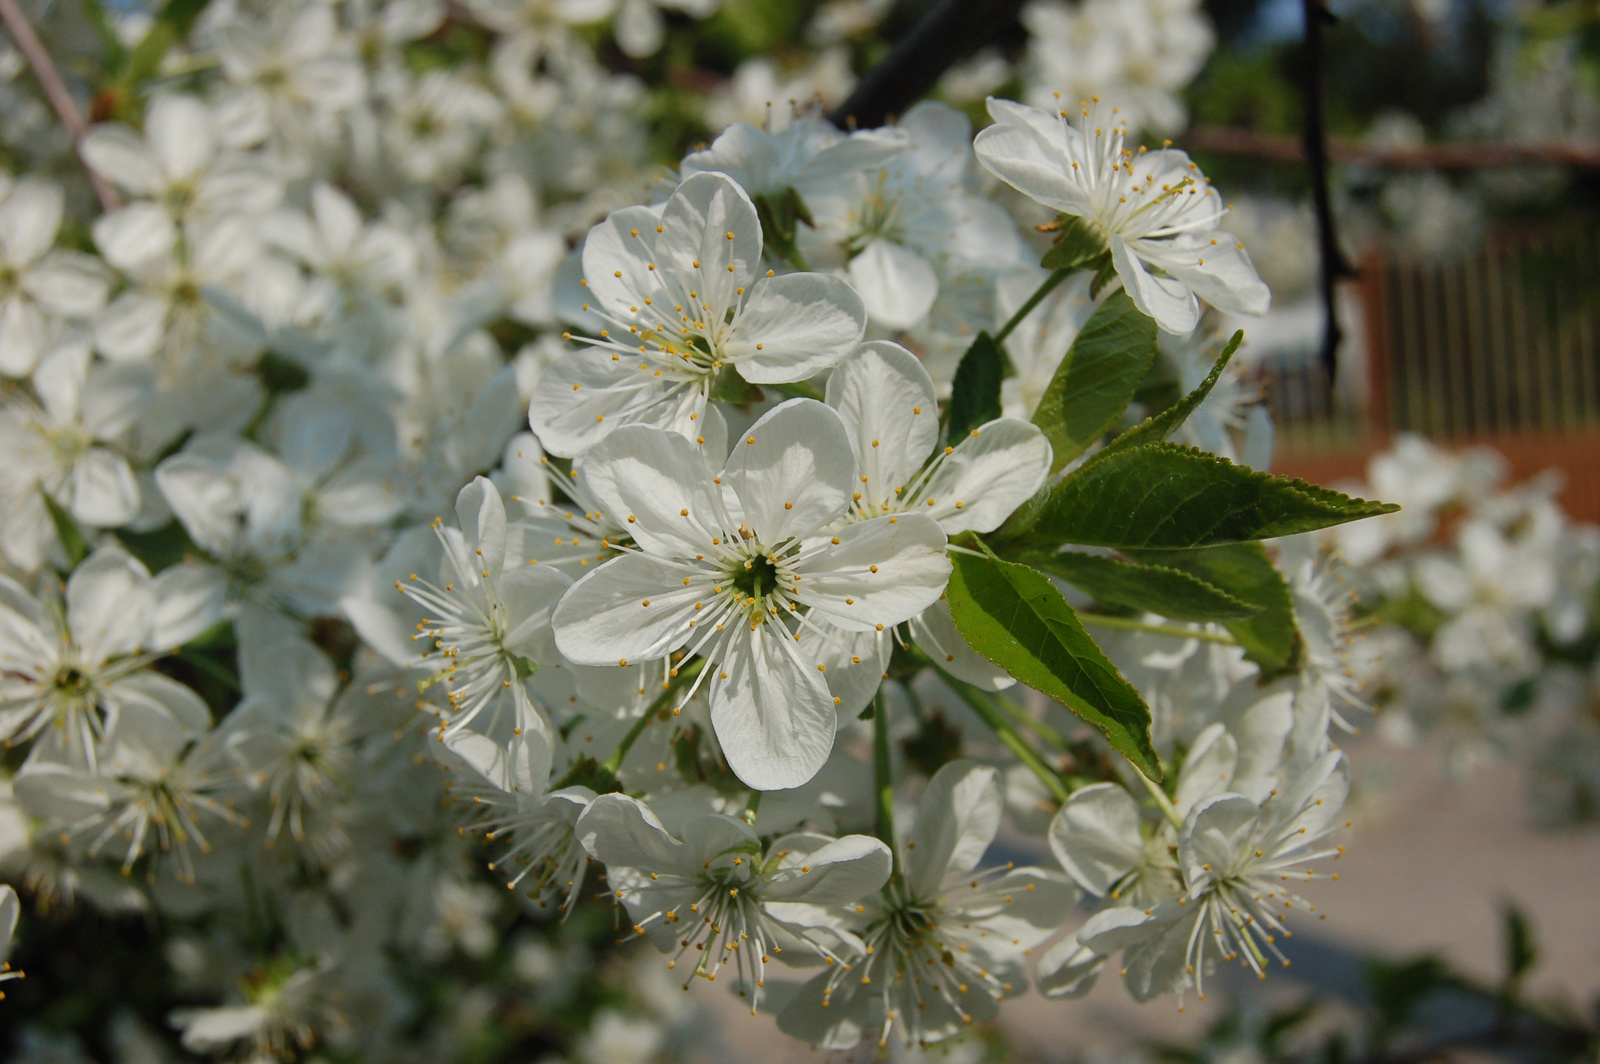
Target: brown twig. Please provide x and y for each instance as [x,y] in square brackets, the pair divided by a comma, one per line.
[1455,155]
[55,90]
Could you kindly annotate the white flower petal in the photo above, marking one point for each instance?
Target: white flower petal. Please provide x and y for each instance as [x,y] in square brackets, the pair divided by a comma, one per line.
[886,399]
[1216,829]
[1095,836]
[773,714]
[181,136]
[1208,769]
[584,395]
[622,831]
[624,244]
[338,222]
[803,322]
[135,235]
[1219,271]
[1032,151]
[880,573]
[9,908]
[109,604]
[1165,299]
[856,664]
[530,594]
[69,283]
[21,335]
[840,872]
[957,818]
[696,224]
[30,215]
[103,489]
[602,619]
[896,285]
[1068,970]
[482,515]
[132,327]
[121,156]
[189,599]
[792,471]
[639,28]
[644,478]
[996,469]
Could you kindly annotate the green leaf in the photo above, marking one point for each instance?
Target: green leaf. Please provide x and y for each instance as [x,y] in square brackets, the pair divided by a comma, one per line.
[1079,247]
[1151,588]
[1396,988]
[975,395]
[1097,378]
[1271,638]
[170,27]
[780,212]
[1163,496]
[1015,617]
[1166,423]
[1521,950]
[72,541]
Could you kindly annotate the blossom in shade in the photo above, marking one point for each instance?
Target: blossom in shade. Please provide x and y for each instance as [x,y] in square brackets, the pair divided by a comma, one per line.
[715,891]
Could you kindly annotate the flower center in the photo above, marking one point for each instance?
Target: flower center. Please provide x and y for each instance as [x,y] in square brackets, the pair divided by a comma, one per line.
[71,682]
[758,576]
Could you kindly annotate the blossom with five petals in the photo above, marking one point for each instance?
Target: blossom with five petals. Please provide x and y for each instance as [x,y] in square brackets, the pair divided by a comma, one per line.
[734,566]
[681,290]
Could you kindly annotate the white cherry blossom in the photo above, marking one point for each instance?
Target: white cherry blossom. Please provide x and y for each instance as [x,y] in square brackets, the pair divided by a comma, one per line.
[37,280]
[1234,857]
[944,944]
[734,566]
[1155,210]
[903,228]
[177,172]
[72,663]
[715,890]
[682,290]
[69,447]
[474,610]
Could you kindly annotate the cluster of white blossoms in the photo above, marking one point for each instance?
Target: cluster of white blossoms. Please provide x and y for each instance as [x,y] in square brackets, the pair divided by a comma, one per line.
[1484,600]
[409,491]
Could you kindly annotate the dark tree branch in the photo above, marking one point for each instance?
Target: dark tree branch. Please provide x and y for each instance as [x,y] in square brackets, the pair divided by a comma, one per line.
[1333,264]
[946,35]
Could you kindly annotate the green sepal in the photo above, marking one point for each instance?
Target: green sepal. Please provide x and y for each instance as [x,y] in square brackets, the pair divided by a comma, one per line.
[730,387]
[71,536]
[1078,246]
[1015,617]
[780,213]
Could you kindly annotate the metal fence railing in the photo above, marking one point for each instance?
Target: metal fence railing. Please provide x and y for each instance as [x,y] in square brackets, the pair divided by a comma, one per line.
[1498,346]
[1503,340]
